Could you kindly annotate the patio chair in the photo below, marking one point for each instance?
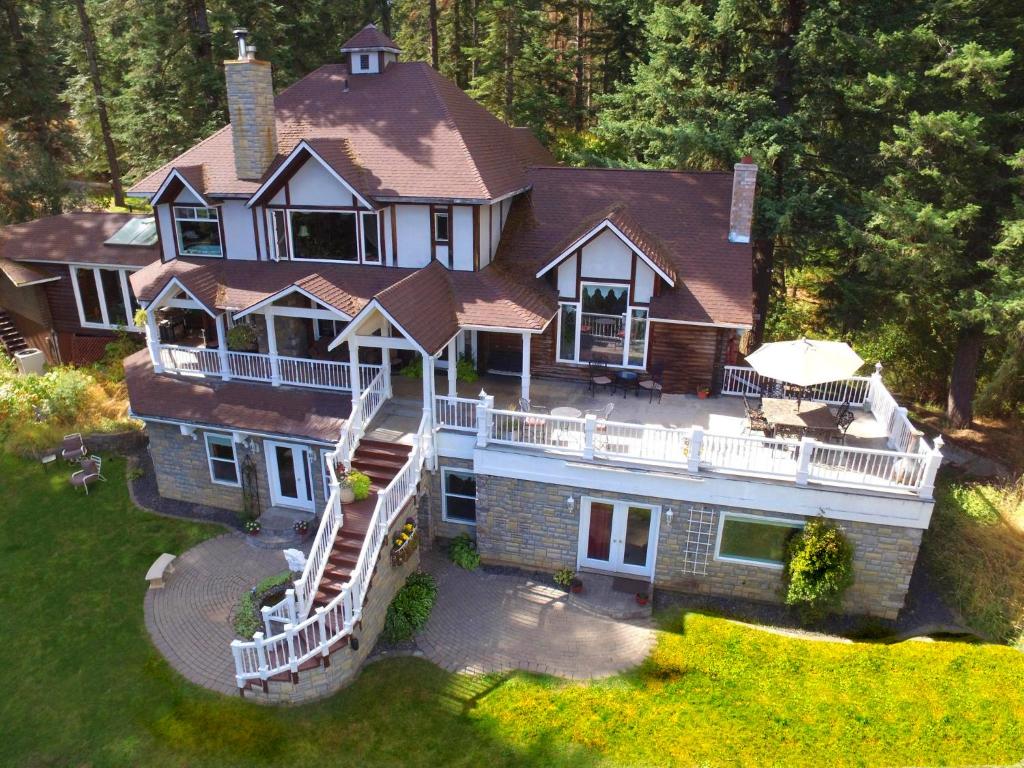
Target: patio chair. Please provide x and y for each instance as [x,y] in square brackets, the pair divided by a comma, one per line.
[526,407]
[654,382]
[774,389]
[599,376]
[73,447]
[756,422]
[843,421]
[90,472]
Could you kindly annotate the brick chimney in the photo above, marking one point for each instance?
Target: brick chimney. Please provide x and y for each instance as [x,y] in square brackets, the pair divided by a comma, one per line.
[741,212]
[251,107]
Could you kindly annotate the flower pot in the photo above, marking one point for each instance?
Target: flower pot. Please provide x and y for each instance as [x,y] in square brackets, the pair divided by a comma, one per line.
[576,587]
[346,495]
[642,598]
[703,394]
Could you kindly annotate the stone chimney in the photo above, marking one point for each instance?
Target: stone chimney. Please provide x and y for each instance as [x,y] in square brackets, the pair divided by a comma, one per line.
[741,212]
[251,107]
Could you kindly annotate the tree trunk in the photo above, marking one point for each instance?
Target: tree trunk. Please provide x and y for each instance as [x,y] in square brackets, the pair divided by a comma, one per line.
[89,42]
[579,73]
[963,379]
[385,16]
[432,20]
[460,69]
[13,22]
[474,65]
[764,264]
[199,25]
[508,64]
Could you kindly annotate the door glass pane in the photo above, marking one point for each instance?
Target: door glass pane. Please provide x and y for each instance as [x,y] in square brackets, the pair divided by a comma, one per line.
[637,337]
[114,297]
[603,323]
[90,296]
[638,530]
[567,324]
[304,457]
[599,538]
[286,472]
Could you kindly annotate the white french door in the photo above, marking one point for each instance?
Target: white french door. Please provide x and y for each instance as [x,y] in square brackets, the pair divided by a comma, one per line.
[618,536]
[291,482]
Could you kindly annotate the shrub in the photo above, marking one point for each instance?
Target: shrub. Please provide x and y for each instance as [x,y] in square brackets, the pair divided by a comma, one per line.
[411,607]
[248,620]
[241,338]
[818,568]
[564,577]
[413,370]
[111,366]
[462,552]
[465,370]
[359,483]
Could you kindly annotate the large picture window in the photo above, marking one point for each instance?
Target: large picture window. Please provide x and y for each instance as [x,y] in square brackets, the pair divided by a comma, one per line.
[603,328]
[220,454]
[198,231]
[459,496]
[754,540]
[324,235]
[104,298]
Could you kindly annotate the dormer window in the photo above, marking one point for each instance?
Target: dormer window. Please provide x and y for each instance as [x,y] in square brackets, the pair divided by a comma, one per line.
[442,231]
[364,61]
[197,231]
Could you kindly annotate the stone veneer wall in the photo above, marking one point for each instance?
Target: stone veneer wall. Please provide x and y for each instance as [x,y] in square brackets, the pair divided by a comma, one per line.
[528,524]
[344,664]
[182,471]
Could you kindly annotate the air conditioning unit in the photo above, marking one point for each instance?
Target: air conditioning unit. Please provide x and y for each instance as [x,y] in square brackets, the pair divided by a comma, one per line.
[30,361]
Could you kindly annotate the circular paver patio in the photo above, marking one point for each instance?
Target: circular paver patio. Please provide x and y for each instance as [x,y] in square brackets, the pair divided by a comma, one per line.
[190,618]
[488,622]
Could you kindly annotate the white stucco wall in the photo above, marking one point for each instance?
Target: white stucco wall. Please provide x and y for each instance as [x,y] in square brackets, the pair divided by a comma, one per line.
[462,228]
[313,184]
[238,234]
[413,235]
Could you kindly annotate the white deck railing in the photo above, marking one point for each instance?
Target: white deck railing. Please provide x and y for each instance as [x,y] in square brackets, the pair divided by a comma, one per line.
[458,413]
[804,462]
[256,366]
[266,656]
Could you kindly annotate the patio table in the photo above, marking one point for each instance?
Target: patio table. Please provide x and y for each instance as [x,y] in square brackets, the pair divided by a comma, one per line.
[788,416]
[566,412]
[628,380]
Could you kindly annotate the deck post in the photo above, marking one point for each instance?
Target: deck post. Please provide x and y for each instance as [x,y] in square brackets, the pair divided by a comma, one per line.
[222,348]
[803,468]
[236,651]
[275,370]
[931,469]
[353,369]
[696,438]
[428,385]
[261,655]
[453,372]
[483,418]
[589,428]
[153,339]
[525,376]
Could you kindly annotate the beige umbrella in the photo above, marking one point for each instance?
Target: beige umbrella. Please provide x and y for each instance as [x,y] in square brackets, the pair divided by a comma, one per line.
[805,362]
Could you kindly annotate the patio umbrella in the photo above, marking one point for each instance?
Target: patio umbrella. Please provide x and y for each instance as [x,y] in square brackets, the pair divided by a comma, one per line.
[805,362]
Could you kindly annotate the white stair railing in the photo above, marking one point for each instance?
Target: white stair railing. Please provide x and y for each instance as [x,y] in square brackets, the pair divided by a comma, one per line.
[266,656]
[370,401]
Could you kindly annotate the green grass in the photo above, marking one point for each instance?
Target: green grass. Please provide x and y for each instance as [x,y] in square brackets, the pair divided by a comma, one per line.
[82,685]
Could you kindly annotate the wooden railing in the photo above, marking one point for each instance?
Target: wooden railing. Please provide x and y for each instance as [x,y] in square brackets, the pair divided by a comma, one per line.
[255,366]
[266,656]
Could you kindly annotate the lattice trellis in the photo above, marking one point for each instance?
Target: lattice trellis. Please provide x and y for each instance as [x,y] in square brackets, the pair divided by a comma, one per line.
[699,540]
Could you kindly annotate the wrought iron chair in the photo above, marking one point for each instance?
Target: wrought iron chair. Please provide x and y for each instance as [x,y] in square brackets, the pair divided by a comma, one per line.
[654,383]
[599,376]
[90,472]
[774,389]
[843,421]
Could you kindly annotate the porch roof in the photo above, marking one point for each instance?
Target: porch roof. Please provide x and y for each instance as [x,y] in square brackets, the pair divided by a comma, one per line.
[233,405]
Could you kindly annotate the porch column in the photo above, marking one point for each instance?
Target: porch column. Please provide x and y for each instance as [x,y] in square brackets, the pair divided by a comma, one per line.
[153,339]
[428,384]
[452,369]
[222,347]
[526,366]
[385,362]
[275,371]
[353,369]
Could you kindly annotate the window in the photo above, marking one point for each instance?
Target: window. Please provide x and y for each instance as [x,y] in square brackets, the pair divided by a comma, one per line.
[364,61]
[324,235]
[567,333]
[458,504]
[754,540]
[220,454]
[104,297]
[603,327]
[279,235]
[442,233]
[371,238]
[198,231]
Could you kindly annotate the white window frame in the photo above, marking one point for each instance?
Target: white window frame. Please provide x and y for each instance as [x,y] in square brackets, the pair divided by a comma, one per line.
[445,471]
[272,235]
[375,216]
[628,329]
[780,522]
[438,240]
[325,454]
[178,214]
[210,459]
[364,62]
[75,271]
[359,235]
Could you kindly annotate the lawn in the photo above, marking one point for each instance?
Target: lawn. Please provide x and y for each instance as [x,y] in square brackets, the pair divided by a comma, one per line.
[83,686]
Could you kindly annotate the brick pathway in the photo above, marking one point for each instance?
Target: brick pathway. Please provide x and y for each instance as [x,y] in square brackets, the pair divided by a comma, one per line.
[485,622]
[190,618]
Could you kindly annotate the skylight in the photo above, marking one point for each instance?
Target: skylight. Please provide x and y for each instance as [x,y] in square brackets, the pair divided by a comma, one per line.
[135,232]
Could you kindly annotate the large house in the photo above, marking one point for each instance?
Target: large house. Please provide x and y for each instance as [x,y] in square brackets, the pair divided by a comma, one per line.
[335,261]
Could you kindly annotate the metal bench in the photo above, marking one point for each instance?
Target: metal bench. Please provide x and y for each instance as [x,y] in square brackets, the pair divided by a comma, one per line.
[161,567]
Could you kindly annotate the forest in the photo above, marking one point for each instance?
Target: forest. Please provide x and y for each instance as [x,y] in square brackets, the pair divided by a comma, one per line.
[890,207]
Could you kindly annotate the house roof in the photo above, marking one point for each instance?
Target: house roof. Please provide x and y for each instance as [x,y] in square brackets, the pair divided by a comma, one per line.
[681,218]
[74,238]
[369,37]
[413,133]
[21,274]
[239,406]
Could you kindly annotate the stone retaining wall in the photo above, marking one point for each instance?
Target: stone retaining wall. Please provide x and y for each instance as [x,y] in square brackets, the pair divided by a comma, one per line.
[529,525]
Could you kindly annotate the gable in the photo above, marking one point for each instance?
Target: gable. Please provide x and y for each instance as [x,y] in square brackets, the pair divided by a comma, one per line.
[313,184]
[320,172]
[606,252]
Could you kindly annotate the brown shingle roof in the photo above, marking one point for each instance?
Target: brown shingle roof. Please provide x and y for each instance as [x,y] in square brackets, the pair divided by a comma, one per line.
[74,238]
[24,274]
[685,214]
[424,305]
[412,132]
[369,37]
[235,405]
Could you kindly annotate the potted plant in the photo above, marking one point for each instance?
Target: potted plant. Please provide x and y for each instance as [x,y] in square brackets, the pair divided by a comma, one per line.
[642,598]
[703,393]
[359,483]
[576,585]
[252,527]
[301,527]
[564,577]
[345,493]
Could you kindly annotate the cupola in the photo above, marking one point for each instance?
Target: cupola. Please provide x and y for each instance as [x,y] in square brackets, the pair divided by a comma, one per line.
[369,51]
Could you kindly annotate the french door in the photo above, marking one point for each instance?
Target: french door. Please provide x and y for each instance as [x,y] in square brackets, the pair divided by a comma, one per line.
[290,479]
[618,536]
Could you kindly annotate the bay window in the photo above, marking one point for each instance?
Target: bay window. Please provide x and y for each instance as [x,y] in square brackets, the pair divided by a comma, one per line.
[603,327]
[104,297]
[198,231]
